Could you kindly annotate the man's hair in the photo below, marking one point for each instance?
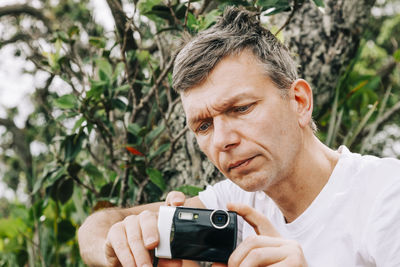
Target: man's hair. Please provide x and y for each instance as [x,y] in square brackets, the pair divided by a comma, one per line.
[235,31]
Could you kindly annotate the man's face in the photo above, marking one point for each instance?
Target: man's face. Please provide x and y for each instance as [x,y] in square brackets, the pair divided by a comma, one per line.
[243,124]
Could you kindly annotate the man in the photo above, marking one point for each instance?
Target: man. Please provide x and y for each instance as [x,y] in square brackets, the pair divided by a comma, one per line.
[303,204]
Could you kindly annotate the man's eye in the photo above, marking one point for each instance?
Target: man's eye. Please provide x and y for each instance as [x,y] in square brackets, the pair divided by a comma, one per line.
[242,108]
[204,127]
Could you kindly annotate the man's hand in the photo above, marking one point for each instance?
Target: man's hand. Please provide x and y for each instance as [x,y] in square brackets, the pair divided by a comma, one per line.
[130,241]
[267,248]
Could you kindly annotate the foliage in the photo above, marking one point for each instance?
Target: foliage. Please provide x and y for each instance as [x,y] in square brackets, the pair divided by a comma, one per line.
[367,96]
[105,113]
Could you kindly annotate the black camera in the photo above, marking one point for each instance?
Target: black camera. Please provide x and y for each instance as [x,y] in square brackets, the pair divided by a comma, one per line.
[196,234]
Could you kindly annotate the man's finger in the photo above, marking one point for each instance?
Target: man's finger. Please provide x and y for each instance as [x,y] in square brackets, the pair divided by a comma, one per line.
[175,198]
[251,245]
[218,264]
[265,256]
[111,257]
[260,223]
[135,241]
[116,239]
[148,224]
[169,263]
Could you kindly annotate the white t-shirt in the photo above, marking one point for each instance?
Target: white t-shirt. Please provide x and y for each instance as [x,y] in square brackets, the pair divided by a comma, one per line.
[354,221]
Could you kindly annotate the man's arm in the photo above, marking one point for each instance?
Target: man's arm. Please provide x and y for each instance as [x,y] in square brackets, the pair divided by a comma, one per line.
[101,247]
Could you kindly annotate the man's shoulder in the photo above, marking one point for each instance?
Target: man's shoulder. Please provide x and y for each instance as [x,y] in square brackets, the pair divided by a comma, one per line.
[370,166]
[368,176]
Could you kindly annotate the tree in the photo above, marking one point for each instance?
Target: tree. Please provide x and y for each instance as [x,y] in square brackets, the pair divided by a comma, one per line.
[114,129]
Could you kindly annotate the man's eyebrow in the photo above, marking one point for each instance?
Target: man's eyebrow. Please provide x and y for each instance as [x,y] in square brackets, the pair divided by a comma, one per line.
[228,102]
[220,107]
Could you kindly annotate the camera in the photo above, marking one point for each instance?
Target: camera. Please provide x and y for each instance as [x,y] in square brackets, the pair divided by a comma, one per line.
[196,234]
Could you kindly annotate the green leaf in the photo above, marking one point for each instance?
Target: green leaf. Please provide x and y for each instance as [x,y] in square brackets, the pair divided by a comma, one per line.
[105,68]
[97,88]
[189,190]
[78,123]
[109,190]
[146,5]
[72,31]
[118,70]
[117,103]
[136,130]
[396,55]
[210,19]
[319,3]
[11,227]
[73,169]
[98,42]
[122,88]
[192,22]
[56,175]
[65,190]
[156,178]
[66,102]
[63,36]
[72,145]
[66,231]
[144,56]
[154,134]
[163,148]
[92,171]
[267,3]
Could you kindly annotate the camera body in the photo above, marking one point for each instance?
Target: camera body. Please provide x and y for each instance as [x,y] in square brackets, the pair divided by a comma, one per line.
[196,234]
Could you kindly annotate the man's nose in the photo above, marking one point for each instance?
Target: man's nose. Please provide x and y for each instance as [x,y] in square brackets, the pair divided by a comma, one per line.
[225,134]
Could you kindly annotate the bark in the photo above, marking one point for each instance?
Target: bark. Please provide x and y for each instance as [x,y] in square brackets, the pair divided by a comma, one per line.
[189,165]
[325,43]
[121,20]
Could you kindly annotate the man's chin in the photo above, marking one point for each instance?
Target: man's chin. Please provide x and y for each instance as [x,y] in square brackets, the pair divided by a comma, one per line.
[249,185]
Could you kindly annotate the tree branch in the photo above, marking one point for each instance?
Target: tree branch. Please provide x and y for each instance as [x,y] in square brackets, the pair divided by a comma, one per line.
[296,7]
[17,37]
[121,19]
[16,10]
[146,98]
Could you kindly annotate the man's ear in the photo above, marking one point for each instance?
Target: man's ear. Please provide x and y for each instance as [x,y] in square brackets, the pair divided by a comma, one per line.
[302,95]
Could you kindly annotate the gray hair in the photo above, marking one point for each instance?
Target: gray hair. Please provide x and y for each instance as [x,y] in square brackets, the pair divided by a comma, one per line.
[235,31]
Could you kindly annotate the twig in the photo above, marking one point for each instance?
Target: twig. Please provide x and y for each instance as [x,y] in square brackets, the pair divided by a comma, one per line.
[173,143]
[296,7]
[204,6]
[186,14]
[124,187]
[177,21]
[140,190]
[385,117]
[146,98]
[24,9]
[91,189]
[171,107]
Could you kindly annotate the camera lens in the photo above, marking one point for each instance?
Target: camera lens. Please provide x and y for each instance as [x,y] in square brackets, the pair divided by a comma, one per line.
[219,219]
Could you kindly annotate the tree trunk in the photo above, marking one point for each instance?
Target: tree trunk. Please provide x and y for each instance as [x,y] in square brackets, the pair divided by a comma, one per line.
[325,42]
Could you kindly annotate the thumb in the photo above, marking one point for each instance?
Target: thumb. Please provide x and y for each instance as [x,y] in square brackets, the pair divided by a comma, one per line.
[260,223]
[175,198]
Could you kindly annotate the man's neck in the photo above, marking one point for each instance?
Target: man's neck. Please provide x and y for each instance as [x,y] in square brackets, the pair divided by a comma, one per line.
[294,194]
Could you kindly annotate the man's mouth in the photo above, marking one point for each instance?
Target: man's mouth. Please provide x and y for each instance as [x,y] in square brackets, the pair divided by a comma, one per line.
[239,163]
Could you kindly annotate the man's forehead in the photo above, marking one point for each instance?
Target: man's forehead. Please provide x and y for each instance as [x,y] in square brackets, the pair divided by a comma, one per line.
[197,107]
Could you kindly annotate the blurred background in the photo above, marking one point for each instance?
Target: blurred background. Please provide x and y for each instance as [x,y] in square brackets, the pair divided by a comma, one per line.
[89,120]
